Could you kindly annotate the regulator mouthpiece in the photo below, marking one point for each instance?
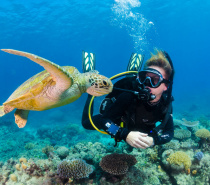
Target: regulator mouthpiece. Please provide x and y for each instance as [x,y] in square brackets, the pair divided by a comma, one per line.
[146,95]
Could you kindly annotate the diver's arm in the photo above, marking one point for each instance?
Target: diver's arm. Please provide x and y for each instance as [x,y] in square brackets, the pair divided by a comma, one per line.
[166,135]
[113,116]
[107,122]
[134,138]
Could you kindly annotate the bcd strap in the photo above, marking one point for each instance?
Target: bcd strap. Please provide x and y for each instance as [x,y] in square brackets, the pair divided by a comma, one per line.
[165,120]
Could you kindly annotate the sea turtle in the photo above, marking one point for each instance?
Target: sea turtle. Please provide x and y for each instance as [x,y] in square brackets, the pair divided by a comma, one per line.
[54,87]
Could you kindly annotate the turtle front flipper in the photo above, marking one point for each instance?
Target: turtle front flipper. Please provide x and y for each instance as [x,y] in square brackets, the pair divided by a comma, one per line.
[21,117]
[60,75]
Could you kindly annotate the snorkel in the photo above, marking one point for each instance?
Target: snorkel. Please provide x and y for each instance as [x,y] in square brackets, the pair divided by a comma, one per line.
[145,94]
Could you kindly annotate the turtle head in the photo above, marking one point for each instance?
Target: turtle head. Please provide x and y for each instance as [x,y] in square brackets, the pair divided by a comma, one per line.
[98,85]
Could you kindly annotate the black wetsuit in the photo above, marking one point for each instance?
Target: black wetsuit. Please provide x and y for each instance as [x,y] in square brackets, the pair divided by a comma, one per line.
[136,115]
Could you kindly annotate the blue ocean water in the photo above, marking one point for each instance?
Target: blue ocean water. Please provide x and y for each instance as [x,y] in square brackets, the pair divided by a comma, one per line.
[60,30]
[112,29]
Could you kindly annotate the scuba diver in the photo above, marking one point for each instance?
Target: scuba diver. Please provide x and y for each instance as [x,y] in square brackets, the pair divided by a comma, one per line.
[138,103]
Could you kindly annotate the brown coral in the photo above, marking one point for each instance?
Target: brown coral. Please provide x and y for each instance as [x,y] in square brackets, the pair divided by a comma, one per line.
[180,158]
[23,166]
[17,166]
[13,177]
[33,169]
[194,172]
[202,133]
[22,159]
[117,164]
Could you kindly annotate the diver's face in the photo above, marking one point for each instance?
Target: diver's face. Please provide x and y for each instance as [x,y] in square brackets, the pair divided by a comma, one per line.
[159,90]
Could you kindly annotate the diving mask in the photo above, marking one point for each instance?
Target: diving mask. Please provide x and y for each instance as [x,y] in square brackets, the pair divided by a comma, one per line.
[151,78]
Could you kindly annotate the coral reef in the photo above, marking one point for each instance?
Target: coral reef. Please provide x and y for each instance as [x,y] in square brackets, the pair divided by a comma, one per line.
[23,160]
[182,134]
[202,133]
[203,120]
[62,152]
[173,144]
[13,177]
[90,152]
[12,142]
[185,122]
[188,144]
[117,164]
[205,168]
[76,169]
[189,123]
[199,156]
[68,135]
[178,160]
[30,158]
[204,136]
[29,146]
[152,154]
[48,149]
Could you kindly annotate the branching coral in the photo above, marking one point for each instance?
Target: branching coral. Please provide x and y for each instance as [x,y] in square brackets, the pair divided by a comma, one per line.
[173,144]
[75,168]
[117,164]
[152,153]
[180,158]
[185,122]
[205,167]
[47,150]
[34,170]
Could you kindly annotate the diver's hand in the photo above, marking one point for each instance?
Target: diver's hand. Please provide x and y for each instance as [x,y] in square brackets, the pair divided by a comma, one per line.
[150,140]
[138,140]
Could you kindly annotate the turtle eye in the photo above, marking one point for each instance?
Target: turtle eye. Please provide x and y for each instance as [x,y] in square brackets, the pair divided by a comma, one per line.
[104,82]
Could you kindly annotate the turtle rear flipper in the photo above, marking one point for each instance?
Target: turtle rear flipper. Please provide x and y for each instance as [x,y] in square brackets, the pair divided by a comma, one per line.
[2,113]
[4,109]
[21,117]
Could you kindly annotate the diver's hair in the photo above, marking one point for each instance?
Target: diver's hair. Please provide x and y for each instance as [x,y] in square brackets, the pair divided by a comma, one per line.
[161,61]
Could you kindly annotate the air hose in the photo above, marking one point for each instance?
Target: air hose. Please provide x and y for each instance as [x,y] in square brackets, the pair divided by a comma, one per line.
[91,101]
